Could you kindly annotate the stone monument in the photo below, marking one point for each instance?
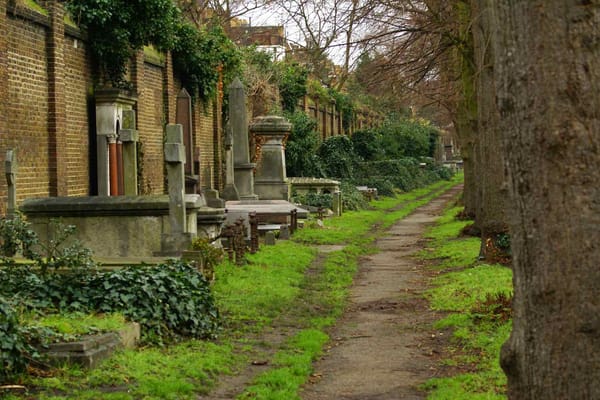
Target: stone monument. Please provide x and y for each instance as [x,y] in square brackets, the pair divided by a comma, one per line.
[243,168]
[270,134]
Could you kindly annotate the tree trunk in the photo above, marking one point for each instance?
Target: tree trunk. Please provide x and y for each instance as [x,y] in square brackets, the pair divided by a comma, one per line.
[466,110]
[491,183]
[547,68]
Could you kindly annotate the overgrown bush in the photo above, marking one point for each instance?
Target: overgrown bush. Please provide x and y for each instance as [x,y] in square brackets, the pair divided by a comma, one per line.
[337,154]
[169,300]
[314,199]
[15,351]
[352,198]
[301,148]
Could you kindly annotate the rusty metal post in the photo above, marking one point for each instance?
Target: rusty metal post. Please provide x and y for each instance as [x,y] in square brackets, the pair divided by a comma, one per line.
[228,234]
[253,232]
[240,245]
[294,220]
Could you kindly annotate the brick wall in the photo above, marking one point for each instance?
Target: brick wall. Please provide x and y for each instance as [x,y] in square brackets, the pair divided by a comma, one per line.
[151,120]
[47,108]
[27,106]
[78,78]
[203,141]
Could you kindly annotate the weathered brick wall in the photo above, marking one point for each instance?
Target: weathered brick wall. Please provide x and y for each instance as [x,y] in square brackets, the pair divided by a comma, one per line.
[27,106]
[46,104]
[78,78]
[204,143]
[151,121]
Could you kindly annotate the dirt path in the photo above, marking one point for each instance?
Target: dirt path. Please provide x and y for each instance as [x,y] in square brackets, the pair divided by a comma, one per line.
[382,347]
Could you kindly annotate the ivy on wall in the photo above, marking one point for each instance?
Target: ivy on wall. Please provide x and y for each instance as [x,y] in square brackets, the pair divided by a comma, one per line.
[118,28]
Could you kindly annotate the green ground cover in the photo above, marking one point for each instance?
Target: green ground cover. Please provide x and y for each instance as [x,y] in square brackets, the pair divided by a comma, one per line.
[476,298]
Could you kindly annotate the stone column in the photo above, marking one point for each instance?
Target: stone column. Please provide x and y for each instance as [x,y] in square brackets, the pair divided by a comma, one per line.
[243,168]
[129,137]
[10,169]
[270,181]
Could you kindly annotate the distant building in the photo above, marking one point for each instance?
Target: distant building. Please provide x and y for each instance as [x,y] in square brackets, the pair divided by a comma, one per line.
[269,39]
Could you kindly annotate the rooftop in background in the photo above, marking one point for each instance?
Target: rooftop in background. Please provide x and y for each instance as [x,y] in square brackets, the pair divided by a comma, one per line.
[270,39]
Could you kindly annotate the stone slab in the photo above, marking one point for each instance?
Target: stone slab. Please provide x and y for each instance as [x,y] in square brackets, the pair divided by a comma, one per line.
[275,207]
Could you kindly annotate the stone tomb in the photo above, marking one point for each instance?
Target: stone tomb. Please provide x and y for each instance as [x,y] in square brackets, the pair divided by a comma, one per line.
[269,212]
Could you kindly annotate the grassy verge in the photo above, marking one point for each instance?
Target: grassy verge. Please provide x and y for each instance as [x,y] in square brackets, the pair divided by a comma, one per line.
[476,298]
[273,283]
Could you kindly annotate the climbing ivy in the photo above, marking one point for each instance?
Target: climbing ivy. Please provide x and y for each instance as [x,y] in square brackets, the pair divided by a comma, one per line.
[116,29]
[198,54]
[292,84]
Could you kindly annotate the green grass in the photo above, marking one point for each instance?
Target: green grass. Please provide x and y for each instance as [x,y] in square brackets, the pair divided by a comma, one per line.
[467,291]
[179,371]
[250,297]
[259,291]
[78,323]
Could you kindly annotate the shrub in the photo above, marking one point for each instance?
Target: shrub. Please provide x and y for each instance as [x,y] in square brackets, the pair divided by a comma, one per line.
[315,199]
[169,300]
[301,147]
[15,351]
[337,153]
[352,198]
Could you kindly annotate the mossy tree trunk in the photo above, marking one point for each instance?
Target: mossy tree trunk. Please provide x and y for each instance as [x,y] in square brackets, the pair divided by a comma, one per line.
[547,68]
[491,183]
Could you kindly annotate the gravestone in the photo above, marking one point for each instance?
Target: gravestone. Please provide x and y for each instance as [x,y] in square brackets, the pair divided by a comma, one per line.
[110,104]
[337,203]
[269,238]
[230,191]
[270,133]
[284,232]
[243,168]
[10,169]
[177,239]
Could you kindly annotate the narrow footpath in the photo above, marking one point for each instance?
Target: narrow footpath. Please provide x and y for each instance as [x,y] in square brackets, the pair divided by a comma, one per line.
[383,347]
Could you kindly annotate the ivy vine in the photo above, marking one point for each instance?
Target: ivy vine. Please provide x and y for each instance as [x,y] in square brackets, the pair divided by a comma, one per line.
[117,29]
[199,54]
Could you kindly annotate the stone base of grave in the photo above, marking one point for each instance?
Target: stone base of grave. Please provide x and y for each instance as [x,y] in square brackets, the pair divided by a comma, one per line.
[267,211]
[271,190]
[91,349]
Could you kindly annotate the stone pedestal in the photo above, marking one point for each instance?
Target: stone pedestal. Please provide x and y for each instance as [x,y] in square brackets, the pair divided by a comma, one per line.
[110,105]
[270,134]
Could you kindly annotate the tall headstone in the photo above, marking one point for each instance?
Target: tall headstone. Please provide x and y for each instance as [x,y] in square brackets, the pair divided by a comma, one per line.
[184,118]
[177,239]
[243,168]
[10,169]
[270,181]
[129,136]
[230,191]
